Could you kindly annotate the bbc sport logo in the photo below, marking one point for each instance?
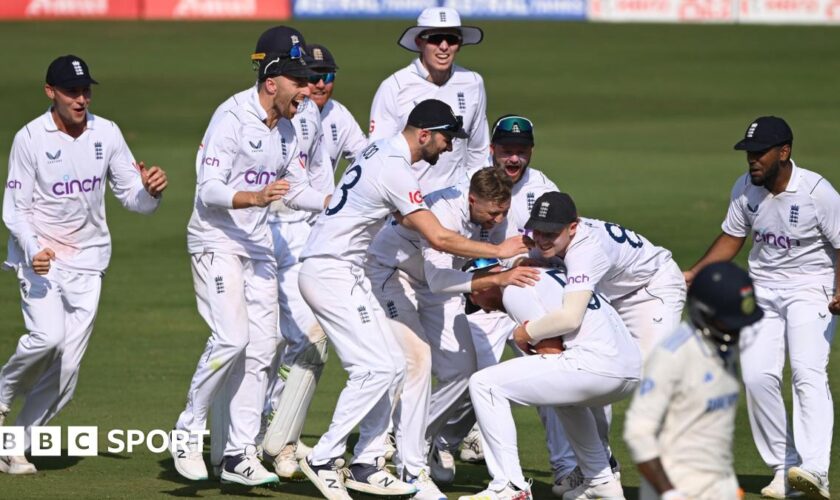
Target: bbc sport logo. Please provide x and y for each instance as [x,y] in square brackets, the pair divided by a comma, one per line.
[83,441]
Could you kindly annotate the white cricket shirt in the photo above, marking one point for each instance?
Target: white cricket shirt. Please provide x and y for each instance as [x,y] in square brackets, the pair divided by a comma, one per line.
[684,408]
[55,192]
[240,153]
[531,186]
[794,233]
[342,135]
[611,259]
[396,246]
[601,345]
[463,92]
[378,183]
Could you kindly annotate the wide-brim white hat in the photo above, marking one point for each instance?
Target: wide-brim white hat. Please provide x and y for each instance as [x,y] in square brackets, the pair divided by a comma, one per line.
[439,17]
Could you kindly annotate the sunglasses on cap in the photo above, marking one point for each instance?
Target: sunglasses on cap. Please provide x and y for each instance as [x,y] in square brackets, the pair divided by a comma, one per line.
[327,77]
[514,125]
[438,38]
[295,54]
[449,127]
[480,264]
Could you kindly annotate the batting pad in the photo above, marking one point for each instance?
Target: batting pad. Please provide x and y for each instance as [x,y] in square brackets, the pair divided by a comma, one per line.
[287,423]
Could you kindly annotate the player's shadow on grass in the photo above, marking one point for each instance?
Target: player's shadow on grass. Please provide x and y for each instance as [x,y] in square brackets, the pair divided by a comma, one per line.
[752,483]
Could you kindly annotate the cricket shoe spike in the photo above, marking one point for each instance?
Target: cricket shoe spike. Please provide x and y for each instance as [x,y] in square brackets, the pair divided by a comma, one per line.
[16,465]
[377,480]
[188,459]
[328,478]
[509,492]
[246,469]
[813,485]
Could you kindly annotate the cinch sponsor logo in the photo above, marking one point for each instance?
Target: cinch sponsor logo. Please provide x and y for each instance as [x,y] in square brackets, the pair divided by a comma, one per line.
[721,402]
[774,240]
[211,162]
[264,177]
[67,7]
[68,186]
[579,279]
[14,184]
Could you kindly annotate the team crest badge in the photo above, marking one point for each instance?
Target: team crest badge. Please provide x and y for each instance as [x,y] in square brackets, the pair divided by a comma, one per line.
[544,209]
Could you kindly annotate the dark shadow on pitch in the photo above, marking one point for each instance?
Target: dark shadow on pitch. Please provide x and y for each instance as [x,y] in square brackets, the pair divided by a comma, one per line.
[752,483]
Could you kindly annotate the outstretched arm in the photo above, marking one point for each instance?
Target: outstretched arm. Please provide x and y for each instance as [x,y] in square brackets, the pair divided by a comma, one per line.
[725,247]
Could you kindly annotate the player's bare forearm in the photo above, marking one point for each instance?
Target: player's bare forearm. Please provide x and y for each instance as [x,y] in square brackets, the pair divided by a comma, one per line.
[262,198]
[655,475]
[724,248]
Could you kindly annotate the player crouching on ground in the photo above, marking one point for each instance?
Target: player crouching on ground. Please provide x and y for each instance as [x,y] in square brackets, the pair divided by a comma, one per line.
[600,365]
[680,425]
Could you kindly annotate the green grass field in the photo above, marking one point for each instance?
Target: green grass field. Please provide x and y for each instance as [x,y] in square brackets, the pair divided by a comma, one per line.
[636,121]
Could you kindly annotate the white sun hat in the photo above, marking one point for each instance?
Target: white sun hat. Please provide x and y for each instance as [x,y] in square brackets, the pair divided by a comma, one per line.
[439,17]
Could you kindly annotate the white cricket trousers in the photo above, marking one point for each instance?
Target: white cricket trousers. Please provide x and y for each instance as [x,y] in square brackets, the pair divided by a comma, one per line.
[435,339]
[696,485]
[341,297]
[555,380]
[654,311]
[796,320]
[237,297]
[59,309]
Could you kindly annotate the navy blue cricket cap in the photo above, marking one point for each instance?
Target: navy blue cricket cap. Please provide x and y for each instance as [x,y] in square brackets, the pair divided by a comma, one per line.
[69,72]
[552,212]
[281,51]
[437,116]
[319,58]
[724,292]
[765,132]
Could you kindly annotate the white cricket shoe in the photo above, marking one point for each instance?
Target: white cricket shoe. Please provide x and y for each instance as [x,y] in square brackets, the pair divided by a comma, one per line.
[377,480]
[286,464]
[189,461]
[779,487]
[441,465]
[426,488]
[567,483]
[390,446]
[814,486]
[16,465]
[328,478]
[247,469]
[509,492]
[471,447]
[610,490]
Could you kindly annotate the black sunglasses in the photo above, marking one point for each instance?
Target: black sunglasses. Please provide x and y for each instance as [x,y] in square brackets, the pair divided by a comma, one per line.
[438,38]
[449,127]
[327,77]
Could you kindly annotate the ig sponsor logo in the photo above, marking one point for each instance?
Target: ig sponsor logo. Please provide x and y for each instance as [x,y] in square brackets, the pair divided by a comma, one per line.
[415,197]
[72,186]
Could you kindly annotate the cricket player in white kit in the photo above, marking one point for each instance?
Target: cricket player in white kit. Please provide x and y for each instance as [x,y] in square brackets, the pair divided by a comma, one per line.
[792,216]
[681,424]
[343,138]
[59,245]
[601,364]
[421,289]
[512,144]
[437,38]
[289,229]
[249,160]
[333,283]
